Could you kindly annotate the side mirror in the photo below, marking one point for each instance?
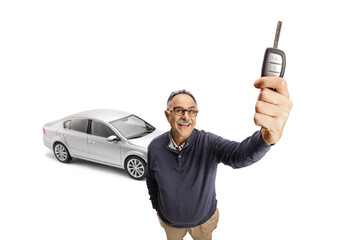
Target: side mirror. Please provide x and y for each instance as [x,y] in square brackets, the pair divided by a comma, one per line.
[112,138]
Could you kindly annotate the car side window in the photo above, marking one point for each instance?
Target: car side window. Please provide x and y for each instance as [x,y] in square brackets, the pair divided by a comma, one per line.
[79,125]
[101,130]
[67,124]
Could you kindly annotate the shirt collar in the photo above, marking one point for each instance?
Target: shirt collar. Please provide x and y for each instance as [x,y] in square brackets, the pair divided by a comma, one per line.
[181,147]
[172,144]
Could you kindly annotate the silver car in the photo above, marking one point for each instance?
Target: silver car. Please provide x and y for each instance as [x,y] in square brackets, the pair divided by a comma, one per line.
[109,137]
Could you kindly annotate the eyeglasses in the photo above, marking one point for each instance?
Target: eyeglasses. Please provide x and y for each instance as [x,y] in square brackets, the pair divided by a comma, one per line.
[180,111]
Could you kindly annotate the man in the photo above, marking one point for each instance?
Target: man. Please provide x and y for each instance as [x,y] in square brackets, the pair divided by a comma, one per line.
[182,163]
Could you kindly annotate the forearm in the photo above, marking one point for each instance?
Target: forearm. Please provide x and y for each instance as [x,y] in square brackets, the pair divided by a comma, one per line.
[242,154]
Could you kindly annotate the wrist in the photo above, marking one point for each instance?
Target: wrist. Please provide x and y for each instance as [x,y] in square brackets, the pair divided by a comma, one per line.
[263,134]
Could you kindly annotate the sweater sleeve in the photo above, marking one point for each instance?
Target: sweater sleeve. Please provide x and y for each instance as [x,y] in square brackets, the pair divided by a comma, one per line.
[240,154]
[151,183]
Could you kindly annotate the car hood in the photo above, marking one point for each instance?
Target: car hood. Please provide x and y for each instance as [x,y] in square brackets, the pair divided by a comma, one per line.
[145,140]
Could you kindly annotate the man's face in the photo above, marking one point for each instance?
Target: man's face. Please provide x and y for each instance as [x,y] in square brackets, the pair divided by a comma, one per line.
[181,126]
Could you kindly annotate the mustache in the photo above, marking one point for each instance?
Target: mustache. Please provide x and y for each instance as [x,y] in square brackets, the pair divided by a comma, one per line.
[184,122]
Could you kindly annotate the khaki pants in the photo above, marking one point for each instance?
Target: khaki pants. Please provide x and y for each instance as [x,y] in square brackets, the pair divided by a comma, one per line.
[201,232]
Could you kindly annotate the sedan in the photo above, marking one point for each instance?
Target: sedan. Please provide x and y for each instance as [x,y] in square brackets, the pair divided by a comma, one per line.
[109,137]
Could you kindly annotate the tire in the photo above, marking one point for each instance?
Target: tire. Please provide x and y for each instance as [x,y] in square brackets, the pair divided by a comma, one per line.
[135,167]
[61,153]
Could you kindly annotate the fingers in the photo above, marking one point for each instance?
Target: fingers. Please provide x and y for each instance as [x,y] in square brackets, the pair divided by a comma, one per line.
[263,120]
[273,99]
[270,96]
[277,83]
[278,112]
[267,109]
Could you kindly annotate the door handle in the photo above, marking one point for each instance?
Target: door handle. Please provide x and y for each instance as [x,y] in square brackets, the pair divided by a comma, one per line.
[91,142]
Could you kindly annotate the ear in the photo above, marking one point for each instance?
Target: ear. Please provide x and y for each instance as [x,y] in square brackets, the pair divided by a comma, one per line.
[167,114]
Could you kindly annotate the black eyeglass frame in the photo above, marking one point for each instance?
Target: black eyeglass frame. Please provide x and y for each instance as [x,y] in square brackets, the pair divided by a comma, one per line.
[183,110]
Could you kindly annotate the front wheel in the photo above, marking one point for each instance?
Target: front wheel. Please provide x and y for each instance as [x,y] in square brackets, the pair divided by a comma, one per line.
[61,153]
[135,167]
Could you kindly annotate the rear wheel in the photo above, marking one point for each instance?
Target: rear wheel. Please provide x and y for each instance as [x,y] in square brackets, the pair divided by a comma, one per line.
[61,153]
[135,167]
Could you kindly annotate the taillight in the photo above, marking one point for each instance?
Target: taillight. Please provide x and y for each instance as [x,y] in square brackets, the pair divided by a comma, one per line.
[44,130]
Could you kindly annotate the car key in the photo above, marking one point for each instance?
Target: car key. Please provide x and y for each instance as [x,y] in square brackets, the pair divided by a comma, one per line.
[274,59]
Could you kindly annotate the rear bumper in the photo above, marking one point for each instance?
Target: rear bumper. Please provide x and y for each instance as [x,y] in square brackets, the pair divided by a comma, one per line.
[47,142]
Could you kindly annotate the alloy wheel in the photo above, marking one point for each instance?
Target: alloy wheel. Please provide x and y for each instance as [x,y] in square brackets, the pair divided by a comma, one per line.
[136,168]
[60,152]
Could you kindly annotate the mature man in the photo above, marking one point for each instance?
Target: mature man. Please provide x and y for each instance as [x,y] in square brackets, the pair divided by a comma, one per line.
[182,163]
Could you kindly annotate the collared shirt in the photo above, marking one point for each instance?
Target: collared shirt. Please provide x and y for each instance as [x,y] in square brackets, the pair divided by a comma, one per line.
[179,148]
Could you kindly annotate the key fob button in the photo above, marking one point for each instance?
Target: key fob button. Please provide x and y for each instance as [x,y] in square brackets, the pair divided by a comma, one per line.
[273,68]
[274,58]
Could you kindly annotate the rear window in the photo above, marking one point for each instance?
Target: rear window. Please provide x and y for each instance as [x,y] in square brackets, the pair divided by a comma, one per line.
[79,125]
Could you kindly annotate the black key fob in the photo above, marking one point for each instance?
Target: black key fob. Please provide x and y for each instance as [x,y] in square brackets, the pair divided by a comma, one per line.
[274,59]
[274,63]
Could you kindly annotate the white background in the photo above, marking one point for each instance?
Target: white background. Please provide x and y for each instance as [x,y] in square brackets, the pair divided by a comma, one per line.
[62,57]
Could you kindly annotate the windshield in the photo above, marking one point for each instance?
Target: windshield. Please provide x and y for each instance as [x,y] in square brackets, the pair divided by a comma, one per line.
[132,127]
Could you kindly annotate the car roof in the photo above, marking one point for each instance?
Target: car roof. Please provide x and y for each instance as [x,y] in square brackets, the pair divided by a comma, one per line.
[106,115]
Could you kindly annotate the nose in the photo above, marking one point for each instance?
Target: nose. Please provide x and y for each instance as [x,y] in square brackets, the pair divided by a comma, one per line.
[186,115]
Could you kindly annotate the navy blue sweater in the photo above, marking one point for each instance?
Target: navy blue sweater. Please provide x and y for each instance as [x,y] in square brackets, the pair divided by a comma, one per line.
[182,184]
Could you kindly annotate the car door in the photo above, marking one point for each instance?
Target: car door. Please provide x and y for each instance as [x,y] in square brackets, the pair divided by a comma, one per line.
[75,135]
[100,148]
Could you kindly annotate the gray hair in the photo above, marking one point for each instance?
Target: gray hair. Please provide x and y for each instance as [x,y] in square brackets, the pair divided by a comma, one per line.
[173,94]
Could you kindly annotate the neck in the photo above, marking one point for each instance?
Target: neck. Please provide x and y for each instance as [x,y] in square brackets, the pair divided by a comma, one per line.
[178,140]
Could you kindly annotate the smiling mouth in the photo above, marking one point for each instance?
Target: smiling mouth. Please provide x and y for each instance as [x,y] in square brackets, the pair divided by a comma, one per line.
[184,125]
